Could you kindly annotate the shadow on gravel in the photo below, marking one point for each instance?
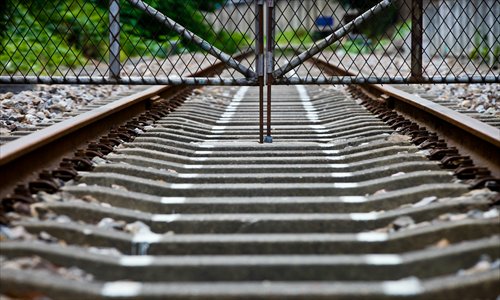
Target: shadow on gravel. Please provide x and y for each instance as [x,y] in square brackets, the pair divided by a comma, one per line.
[16,88]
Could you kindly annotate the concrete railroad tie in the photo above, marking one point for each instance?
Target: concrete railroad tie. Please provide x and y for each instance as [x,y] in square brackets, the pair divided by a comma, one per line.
[339,206]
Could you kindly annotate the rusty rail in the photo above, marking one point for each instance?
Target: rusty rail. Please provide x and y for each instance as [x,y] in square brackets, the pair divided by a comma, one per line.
[22,159]
[476,139]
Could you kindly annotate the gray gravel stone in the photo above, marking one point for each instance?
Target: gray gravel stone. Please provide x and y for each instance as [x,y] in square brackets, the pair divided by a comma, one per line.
[402,222]
[482,98]
[44,103]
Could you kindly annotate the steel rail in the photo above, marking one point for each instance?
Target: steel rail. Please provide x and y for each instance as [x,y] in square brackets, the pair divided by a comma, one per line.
[292,214]
[477,139]
[25,144]
[21,158]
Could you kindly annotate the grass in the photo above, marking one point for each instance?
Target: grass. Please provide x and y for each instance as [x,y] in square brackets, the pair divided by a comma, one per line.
[298,38]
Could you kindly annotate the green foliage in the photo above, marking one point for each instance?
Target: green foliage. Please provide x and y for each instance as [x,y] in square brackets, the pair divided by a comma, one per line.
[229,42]
[185,12]
[482,50]
[41,35]
[5,11]
[295,38]
[378,24]
[356,46]
[31,45]
[403,30]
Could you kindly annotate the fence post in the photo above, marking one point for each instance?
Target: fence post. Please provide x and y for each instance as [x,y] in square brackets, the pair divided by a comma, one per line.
[114,39]
[269,64]
[416,39]
[259,51]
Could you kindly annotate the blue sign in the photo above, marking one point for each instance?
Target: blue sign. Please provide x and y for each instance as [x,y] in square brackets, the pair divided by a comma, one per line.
[324,21]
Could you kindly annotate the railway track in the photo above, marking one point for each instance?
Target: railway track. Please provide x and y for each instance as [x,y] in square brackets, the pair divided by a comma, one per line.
[491,120]
[345,204]
[24,131]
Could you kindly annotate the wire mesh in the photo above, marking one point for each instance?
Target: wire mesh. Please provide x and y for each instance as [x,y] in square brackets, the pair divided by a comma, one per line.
[460,41]
[73,41]
[69,41]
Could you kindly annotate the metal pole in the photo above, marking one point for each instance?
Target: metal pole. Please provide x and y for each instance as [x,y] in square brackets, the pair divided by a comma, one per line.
[269,65]
[114,39]
[260,64]
[416,39]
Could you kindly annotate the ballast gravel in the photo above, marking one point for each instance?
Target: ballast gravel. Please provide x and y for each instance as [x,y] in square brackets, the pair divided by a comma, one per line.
[45,103]
[482,98]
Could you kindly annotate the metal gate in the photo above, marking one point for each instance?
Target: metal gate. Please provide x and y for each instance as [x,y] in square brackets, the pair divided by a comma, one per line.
[168,41]
[164,42]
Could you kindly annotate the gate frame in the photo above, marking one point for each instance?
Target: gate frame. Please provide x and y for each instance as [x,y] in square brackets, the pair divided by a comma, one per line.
[276,76]
[115,67]
[265,72]
[251,78]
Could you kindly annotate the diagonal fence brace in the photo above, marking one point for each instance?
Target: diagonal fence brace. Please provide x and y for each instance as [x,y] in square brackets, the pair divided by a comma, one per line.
[203,44]
[332,38]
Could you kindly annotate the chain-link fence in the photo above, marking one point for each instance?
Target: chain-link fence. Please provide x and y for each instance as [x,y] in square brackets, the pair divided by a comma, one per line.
[169,41]
[129,42]
[405,41]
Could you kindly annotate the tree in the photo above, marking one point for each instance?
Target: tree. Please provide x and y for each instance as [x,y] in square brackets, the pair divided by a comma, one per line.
[4,15]
[185,12]
[378,24]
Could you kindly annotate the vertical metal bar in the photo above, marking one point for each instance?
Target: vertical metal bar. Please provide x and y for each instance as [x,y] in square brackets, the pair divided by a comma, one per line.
[259,32]
[114,39]
[416,39]
[269,65]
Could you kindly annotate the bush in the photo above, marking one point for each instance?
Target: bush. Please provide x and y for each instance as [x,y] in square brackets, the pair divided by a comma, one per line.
[77,22]
[185,12]
[41,35]
[31,46]
[4,13]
